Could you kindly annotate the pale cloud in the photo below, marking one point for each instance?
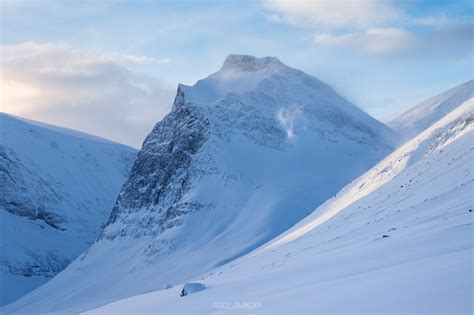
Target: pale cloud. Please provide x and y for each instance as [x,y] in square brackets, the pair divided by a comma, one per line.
[450,39]
[361,25]
[99,93]
[372,40]
[333,13]
[376,27]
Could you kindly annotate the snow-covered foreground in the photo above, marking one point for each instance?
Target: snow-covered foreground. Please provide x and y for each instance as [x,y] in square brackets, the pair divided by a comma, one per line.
[396,240]
[57,189]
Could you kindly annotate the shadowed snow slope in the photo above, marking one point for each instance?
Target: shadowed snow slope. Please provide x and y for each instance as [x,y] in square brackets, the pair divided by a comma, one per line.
[57,189]
[396,240]
[423,115]
[233,165]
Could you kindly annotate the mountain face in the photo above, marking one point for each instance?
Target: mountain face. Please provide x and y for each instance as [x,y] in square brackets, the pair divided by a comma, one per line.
[57,189]
[231,166]
[396,240]
[423,115]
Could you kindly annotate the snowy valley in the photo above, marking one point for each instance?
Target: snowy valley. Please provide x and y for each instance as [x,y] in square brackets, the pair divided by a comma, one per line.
[233,165]
[263,190]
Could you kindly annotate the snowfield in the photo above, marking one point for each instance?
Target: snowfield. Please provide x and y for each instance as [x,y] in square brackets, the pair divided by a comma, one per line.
[57,189]
[396,240]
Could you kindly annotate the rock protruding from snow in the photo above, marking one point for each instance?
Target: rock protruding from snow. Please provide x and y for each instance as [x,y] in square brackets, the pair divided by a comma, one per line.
[231,166]
[192,287]
[57,189]
[423,115]
[161,175]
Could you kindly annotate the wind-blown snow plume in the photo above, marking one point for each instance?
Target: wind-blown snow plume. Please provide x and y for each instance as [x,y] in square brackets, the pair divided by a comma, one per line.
[289,117]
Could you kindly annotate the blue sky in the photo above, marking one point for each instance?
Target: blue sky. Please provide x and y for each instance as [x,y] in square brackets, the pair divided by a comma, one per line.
[100,66]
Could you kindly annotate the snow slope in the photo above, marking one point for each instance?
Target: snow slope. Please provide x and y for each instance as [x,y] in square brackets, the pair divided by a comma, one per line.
[57,189]
[396,240]
[233,165]
[421,116]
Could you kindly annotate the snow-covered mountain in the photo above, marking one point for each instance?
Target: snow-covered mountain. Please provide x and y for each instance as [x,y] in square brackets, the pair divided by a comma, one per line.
[234,164]
[421,116]
[396,240]
[57,189]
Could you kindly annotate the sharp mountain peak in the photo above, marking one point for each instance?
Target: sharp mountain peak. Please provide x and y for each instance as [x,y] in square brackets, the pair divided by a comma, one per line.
[236,62]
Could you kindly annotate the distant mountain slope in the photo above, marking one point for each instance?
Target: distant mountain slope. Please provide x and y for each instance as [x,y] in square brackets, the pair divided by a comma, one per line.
[233,165]
[57,189]
[426,113]
[396,240]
